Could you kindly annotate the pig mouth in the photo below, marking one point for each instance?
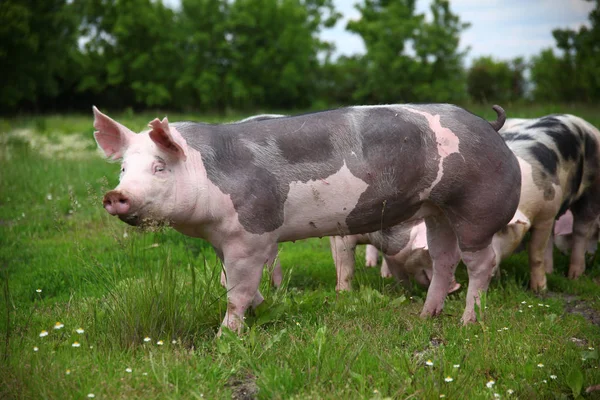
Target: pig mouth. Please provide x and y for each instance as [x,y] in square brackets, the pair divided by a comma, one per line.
[130,219]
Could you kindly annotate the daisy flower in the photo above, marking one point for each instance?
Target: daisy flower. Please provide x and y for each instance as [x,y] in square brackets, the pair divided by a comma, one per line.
[429,363]
[59,325]
[43,333]
[76,344]
[448,379]
[79,330]
[490,384]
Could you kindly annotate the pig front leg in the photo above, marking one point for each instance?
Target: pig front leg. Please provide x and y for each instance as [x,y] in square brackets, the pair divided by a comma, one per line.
[540,235]
[371,256]
[244,263]
[443,248]
[343,252]
[274,271]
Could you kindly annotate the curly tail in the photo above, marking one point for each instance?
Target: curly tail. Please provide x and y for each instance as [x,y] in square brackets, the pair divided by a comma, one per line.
[500,120]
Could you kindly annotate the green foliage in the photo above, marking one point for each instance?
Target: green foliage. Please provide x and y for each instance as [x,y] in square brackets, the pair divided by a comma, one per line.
[37,39]
[490,81]
[578,59]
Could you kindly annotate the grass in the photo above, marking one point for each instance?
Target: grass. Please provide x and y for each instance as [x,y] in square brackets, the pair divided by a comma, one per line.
[306,341]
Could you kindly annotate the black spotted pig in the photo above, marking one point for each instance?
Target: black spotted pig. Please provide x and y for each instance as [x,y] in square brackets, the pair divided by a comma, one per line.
[405,254]
[246,186]
[560,164]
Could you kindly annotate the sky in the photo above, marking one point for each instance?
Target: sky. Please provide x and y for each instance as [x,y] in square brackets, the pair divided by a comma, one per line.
[502,28]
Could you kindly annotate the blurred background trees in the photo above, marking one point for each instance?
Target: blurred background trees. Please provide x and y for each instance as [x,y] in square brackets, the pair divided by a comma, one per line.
[214,55]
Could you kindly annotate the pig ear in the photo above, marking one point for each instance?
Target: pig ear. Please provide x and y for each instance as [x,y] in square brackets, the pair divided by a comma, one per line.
[112,137]
[170,140]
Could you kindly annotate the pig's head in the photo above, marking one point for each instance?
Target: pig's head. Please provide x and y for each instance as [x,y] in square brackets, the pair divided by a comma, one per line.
[152,185]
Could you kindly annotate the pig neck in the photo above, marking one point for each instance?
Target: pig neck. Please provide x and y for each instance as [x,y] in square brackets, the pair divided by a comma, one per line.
[201,209]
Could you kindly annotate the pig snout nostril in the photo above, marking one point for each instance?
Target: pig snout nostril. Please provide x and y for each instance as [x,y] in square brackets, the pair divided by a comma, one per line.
[116,203]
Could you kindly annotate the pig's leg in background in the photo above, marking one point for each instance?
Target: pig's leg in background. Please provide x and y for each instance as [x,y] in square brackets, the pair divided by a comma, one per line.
[371,256]
[385,269]
[244,262]
[342,250]
[219,254]
[276,273]
[549,253]
[540,235]
[443,248]
[582,227]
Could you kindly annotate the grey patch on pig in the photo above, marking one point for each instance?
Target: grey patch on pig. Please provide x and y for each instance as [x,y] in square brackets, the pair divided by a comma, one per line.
[390,148]
[394,239]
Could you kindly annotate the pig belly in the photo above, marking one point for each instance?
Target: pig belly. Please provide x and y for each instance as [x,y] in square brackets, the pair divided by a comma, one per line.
[321,207]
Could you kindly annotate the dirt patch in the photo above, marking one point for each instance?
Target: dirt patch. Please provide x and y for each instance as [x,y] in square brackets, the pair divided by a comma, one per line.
[243,387]
[580,307]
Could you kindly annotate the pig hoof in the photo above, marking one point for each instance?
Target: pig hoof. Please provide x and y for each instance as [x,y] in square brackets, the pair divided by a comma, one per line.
[370,263]
[574,273]
[386,275]
[427,313]
[343,288]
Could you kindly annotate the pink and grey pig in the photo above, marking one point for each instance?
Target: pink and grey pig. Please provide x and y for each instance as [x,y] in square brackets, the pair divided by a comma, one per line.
[246,186]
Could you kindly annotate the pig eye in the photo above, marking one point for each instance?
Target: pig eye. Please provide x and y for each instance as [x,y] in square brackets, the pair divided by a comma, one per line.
[122,169]
[159,168]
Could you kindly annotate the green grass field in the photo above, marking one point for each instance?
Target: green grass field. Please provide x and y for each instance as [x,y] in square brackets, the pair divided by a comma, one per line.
[137,312]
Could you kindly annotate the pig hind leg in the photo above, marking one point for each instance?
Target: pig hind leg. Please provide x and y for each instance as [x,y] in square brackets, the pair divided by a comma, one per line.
[477,252]
[443,248]
[585,213]
[582,229]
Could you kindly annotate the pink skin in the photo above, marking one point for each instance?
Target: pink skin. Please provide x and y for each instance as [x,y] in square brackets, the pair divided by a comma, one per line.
[371,256]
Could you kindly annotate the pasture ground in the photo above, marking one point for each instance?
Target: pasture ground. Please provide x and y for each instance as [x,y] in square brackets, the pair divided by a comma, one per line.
[150,303]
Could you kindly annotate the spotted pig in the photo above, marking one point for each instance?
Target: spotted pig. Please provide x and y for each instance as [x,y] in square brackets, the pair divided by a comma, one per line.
[558,156]
[246,186]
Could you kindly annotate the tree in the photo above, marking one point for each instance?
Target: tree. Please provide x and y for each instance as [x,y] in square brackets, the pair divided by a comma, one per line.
[274,48]
[496,81]
[409,59]
[202,76]
[388,30]
[37,38]
[579,61]
[132,51]
[436,44]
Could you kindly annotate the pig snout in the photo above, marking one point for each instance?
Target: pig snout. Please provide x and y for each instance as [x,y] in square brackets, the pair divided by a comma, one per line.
[116,203]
